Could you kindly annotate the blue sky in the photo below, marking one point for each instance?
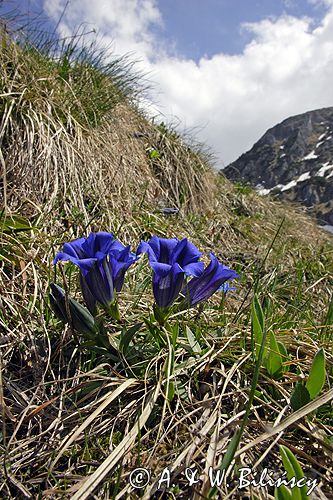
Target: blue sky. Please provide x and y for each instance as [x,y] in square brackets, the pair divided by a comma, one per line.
[207,27]
[197,28]
[227,69]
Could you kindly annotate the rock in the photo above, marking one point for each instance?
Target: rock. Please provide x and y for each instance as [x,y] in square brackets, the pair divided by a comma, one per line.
[293,160]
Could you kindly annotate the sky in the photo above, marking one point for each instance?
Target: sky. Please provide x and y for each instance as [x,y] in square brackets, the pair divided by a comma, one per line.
[225,70]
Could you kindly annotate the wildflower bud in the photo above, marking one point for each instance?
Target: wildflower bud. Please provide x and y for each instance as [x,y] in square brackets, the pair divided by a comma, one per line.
[80,318]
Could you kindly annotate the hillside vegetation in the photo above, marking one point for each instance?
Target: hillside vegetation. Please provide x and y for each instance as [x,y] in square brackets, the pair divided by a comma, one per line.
[78,155]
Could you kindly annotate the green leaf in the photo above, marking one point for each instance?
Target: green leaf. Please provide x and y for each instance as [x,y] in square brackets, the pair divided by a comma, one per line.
[282,493]
[14,224]
[284,355]
[127,335]
[274,358]
[174,330]
[258,324]
[81,319]
[231,450]
[161,314]
[299,397]
[329,315]
[194,344]
[258,327]
[154,154]
[155,332]
[91,386]
[317,373]
[293,469]
[171,390]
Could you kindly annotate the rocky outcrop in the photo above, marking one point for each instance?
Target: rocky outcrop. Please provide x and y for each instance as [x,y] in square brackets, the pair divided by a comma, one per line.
[294,161]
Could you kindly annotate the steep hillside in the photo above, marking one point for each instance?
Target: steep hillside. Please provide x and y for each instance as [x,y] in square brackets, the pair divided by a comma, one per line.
[72,163]
[294,161]
[102,374]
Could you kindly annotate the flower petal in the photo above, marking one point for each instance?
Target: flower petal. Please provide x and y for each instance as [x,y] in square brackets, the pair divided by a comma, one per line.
[158,249]
[87,295]
[185,253]
[85,264]
[194,269]
[160,269]
[202,287]
[104,241]
[74,248]
[99,280]
[167,288]
[144,247]
[167,247]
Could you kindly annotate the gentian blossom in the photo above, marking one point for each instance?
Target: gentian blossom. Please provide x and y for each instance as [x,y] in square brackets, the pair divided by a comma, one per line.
[171,260]
[102,261]
[225,288]
[213,278]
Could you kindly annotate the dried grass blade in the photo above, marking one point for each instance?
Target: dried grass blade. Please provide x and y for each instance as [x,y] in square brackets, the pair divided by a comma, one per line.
[210,462]
[69,440]
[297,415]
[94,480]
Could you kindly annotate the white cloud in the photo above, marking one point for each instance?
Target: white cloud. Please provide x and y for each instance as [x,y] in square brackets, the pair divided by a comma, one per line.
[124,23]
[286,69]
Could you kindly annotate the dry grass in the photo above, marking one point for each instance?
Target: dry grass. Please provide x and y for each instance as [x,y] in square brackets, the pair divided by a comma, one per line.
[67,415]
[51,155]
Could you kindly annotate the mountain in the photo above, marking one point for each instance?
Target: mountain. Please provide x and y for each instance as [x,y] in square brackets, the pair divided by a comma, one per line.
[293,160]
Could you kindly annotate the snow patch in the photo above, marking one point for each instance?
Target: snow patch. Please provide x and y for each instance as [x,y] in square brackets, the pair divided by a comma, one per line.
[310,156]
[323,169]
[322,136]
[262,191]
[282,146]
[319,143]
[283,155]
[303,177]
[290,185]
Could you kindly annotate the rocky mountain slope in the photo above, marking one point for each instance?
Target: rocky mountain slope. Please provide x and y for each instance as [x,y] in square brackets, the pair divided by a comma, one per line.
[293,160]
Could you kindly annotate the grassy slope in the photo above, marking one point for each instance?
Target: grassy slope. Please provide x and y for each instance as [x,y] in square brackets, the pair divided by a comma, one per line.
[71,165]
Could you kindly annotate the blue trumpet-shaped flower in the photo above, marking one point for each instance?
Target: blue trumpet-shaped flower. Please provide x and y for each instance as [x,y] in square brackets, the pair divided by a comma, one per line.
[102,261]
[170,259]
[167,284]
[213,278]
[164,252]
[225,288]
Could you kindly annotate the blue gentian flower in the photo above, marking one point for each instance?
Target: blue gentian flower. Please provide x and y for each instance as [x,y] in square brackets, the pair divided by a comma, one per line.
[225,288]
[102,261]
[167,284]
[171,260]
[168,251]
[213,278]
